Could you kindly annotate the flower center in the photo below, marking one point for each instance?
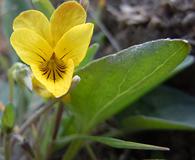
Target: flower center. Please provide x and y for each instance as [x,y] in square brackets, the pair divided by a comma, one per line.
[54,69]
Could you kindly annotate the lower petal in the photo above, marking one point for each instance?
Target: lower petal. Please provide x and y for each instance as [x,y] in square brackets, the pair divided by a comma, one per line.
[55,83]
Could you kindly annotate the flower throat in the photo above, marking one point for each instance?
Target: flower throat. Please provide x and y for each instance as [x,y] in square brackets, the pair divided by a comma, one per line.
[53,69]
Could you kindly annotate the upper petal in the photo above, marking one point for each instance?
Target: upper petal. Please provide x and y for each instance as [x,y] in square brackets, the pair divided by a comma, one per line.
[66,16]
[74,43]
[55,84]
[30,46]
[34,20]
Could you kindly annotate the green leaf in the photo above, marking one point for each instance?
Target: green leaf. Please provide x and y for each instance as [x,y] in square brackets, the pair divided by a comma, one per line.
[112,142]
[189,60]
[44,6]
[164,108]
[8,118]
[90,54]
[111,83]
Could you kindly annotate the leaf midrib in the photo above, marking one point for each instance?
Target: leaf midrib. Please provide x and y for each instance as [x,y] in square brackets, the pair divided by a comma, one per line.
[133,87]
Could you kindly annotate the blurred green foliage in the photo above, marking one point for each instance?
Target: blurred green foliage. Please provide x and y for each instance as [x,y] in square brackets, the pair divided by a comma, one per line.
[108,86]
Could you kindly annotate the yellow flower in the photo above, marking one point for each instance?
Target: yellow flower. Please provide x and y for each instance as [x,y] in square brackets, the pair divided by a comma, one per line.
[53,48]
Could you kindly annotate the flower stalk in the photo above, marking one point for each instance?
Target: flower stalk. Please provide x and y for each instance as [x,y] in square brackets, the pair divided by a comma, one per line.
[11,85]
[72,150]
[56,128]
[58,121]
[43,109]
[7,150]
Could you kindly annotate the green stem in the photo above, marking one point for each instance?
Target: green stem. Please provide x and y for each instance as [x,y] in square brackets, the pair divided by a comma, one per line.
[11,85]
[74,147]
[58,119]
[7,147]
[72,150]
[91,152]
[43,109]
[56,127]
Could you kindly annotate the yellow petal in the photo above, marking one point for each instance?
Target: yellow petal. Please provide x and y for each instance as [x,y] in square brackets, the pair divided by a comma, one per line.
[74,43]
[55,84]
[66,16]
[40,89]
[33,20]
[30,47]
